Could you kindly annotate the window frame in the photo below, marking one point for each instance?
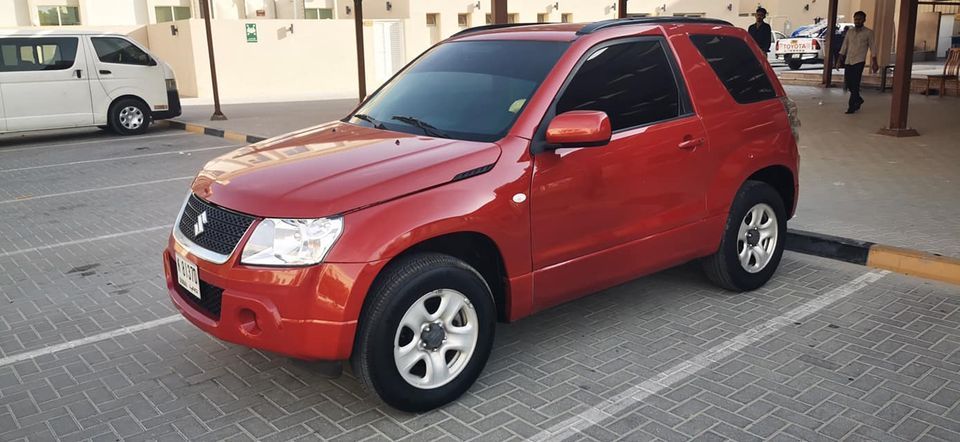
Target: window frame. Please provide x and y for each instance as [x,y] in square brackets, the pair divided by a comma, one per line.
[173,13]
[539,143]
[318,10]
[59,15]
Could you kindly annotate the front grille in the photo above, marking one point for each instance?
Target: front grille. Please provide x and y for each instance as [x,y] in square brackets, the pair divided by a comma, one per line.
[210,295]
[222,230]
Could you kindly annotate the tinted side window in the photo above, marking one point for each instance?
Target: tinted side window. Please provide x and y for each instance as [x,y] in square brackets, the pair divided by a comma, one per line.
[37,54]
[736,66]
[632,82]
[119,51]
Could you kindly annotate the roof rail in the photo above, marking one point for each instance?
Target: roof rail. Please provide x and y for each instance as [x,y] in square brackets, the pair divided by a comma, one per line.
[604,24]
[489,27]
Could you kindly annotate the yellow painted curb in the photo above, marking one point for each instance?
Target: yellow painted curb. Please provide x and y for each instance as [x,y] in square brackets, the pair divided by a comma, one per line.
[234,136]
[911,262]
[194,128]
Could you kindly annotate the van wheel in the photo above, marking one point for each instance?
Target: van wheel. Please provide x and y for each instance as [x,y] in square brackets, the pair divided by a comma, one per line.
[753,240]
[425,333]
[129,117]
[794,64]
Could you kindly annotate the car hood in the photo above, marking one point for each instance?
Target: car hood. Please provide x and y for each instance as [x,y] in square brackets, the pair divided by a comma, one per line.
[334,168]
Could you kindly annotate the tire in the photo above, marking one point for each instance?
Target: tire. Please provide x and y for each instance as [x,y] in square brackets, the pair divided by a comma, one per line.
[105,128]
[794,64]
[129,116]
[390,316]
[725,267]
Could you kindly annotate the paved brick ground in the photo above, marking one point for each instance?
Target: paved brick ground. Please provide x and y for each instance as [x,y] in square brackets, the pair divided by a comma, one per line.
[882,364]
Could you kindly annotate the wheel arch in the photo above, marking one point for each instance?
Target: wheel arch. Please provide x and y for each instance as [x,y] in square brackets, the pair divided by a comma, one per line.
[781,178]
[133,97]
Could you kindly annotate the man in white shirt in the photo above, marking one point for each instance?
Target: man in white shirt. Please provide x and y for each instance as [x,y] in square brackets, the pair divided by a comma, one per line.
[853,57]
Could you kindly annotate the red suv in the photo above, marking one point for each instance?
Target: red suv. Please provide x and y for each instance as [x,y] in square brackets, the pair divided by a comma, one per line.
[504,171]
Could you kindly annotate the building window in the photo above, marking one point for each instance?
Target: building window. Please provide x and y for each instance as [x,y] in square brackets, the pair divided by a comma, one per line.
[172,13]
[463,20]
[59,15]
[566,17]
[318,13]
[513,18]
[543,18]
[489,19]
[432,19]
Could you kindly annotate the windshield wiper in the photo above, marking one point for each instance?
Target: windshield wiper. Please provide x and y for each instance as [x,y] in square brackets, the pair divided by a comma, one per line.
[376,124]
[427,128]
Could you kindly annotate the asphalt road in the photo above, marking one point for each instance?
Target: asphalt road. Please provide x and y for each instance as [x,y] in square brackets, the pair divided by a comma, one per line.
[91,348]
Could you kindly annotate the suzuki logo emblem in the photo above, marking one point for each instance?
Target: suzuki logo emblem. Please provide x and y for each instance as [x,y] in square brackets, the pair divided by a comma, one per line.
[201,221]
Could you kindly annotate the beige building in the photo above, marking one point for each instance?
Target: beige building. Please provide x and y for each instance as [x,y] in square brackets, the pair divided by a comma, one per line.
[285,49]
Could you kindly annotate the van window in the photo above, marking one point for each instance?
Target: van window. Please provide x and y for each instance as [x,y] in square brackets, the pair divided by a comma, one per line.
[737,67]
[120,51]
[37,54]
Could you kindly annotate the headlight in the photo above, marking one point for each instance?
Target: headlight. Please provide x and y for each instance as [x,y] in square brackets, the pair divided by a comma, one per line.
[291,242]
[171,84]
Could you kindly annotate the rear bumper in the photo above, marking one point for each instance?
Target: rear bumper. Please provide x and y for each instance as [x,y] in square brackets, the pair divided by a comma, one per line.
[174,107]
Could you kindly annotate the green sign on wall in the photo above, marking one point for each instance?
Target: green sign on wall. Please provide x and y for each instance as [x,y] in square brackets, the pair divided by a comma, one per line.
[251,32]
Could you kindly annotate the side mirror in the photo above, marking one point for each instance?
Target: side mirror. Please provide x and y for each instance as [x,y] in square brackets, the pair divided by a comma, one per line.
[579,129]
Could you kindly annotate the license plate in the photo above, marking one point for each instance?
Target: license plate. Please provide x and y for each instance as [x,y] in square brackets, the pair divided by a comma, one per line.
[188,277]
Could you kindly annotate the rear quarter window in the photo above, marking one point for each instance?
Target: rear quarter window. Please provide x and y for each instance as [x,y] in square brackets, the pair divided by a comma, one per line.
[736,66]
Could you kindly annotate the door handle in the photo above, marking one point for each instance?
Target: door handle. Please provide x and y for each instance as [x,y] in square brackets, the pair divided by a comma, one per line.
[79,73]
[105,72]
[690,143]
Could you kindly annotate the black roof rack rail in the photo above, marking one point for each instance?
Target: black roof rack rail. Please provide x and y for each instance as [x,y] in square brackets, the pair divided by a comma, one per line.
[604,24]
[489,27]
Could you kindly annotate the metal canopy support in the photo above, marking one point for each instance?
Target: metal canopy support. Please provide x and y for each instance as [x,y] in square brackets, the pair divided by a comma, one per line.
[498,8]
[828,44]
[361,67]
[906,30]
[217,113]
[621,8]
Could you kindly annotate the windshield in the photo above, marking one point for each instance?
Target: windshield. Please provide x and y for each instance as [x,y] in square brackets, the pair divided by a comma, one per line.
[467,90]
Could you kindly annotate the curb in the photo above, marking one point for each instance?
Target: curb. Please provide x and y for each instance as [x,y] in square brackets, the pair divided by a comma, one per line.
[895,259]
[905,261]
[203,130]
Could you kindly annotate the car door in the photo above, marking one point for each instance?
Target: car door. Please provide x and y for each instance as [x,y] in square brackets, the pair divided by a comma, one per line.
[595,209]
[123,68]
[45,83]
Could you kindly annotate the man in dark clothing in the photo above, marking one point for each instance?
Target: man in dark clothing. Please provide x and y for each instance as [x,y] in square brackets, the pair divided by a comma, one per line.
[760,31]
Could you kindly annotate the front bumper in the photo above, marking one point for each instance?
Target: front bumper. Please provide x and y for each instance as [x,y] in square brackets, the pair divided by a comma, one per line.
[174,109]
[306,313]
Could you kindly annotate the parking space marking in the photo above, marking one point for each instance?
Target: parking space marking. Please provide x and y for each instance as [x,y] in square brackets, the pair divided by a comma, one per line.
[82,241]
[101,160]
[97,189]
[610,408]
[45,146]
[88,340]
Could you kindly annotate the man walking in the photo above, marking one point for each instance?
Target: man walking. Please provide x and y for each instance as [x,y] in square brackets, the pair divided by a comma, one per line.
[760,31]
[853,58]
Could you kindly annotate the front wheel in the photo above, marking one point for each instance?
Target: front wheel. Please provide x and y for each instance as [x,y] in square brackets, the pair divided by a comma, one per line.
[129,117]
[753,239]
[425,333]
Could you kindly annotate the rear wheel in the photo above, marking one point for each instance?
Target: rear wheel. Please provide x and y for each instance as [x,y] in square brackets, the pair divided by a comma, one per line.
[794,63]
[753,240]
[129,116]
[425,333]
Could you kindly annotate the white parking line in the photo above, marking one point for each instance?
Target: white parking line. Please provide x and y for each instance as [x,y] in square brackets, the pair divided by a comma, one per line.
[97,189]
[88,340]
[610,408]
[82,241]
[72,163]
[101,141]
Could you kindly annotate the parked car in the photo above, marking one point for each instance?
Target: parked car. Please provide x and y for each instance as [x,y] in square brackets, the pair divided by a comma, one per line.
[775,37]
[807,45]
[471,188]
[53,79]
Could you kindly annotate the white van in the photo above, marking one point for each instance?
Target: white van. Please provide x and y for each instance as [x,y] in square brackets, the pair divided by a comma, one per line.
[54,79]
